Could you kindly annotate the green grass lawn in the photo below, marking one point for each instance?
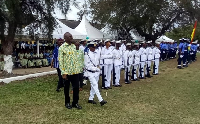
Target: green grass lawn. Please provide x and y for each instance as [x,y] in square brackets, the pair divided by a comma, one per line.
[171,97]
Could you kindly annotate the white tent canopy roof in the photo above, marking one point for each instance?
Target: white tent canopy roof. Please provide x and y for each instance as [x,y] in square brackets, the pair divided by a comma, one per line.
[62,28]
[164,39]
[136,37]
[87,29]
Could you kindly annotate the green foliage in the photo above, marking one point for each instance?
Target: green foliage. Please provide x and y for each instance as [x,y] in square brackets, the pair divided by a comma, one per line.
[35,14]
[185,32]
[150,18]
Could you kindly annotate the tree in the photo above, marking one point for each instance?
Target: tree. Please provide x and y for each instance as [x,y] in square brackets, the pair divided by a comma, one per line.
[184,32]
[16,14]
[150,18]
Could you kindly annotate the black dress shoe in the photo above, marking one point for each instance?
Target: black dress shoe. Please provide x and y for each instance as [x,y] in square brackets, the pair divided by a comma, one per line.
[128,82]
[92,102]
[115,85]
[109,87]
[119,85]
[103,102]
[77,106]
[57,90]
[68,106]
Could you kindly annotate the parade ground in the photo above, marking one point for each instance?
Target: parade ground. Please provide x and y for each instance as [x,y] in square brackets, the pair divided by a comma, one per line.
[173,96]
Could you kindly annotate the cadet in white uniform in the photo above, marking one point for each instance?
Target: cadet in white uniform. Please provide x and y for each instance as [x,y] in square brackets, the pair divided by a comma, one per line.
[149,52]
[83,45]
[156,57]
[128,60]
[117,57]
[106,57]
[91,62]
[142,53]
[136,62]
[123,48]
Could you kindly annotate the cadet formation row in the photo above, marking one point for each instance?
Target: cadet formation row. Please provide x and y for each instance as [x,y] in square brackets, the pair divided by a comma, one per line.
[95,58]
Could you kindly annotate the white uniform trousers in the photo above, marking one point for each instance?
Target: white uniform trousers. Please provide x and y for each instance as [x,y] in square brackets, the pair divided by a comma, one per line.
[127,70]
[134,72]
[107,73]
[94,88]
[117,76]
[141,69]
[101,68]
[156,68]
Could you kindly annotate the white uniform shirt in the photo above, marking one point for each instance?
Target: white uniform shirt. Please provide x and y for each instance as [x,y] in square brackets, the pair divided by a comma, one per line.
[142,53]
[149,52]
[117,57]
[91,62]
[106,55]
[23,45]
[82,47]
[156,53]
[136,57]
[128,58]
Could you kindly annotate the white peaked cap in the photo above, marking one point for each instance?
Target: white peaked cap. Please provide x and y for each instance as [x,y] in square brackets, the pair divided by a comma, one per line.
[107,40]
[149,41]
[113,41]
[157,42]
[136,43]
[128,44]
[118,41]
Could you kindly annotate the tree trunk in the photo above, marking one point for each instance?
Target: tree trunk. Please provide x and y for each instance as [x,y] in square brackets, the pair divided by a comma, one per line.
[7,46]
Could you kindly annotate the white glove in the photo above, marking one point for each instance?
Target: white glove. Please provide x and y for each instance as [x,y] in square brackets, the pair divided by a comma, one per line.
[181,56]
[98,70]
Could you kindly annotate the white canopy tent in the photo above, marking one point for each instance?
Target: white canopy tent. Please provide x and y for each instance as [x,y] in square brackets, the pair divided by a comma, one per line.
[62,28]
[87,29]
[164,39]
[136,37]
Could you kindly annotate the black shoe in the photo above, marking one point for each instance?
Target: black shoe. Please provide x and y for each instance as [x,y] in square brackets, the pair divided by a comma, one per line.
[57,90]
[115,85]
[68,106]
[92,102]
[77,106]
[105,88]
[179,67]
[142,78]
[103,102]
[128,82]
[119,85]
[109,87]
[155,74]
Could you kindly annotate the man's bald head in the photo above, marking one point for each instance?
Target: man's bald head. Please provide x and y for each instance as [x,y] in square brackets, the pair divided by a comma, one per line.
[68,38]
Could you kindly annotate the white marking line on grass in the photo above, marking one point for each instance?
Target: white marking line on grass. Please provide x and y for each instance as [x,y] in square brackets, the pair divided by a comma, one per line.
[8,80]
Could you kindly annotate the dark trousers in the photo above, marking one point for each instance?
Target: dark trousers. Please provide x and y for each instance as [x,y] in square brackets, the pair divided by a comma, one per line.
[74,79]
[180,60]
[81,80]
[185,57]
[60,81]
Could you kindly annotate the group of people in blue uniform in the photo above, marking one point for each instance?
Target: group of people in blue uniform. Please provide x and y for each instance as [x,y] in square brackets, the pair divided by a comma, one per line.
[187,52]
[168,50]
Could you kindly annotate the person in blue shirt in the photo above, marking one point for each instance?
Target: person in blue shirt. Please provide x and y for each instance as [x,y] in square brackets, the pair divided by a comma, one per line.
[55,64]
[161,49]
[175,49]
[180,53]
[171,50]
[164,50]
[185,49]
